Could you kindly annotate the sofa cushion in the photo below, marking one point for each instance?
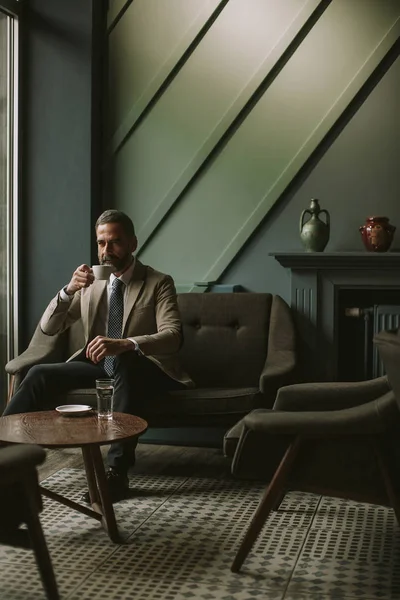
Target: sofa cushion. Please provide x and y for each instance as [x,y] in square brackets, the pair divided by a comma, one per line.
[198,401]
[225,338]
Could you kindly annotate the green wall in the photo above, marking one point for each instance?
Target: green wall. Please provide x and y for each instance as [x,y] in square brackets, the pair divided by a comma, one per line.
[226,118]
[356,174]
[206,103]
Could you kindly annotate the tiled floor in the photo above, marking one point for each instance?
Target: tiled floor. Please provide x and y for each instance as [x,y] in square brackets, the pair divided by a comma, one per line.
[182,532]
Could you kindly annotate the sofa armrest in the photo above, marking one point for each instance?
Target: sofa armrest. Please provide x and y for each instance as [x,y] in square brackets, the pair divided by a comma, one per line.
[328,396]
[277,371]
[280,364]
[42,349]
[32,356]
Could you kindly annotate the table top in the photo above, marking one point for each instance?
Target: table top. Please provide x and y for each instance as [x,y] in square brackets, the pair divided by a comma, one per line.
[52,430]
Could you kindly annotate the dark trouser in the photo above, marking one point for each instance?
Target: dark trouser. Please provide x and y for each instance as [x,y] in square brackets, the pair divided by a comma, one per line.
[137,380]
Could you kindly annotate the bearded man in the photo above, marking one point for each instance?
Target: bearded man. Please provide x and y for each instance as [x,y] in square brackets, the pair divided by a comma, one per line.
[142,359]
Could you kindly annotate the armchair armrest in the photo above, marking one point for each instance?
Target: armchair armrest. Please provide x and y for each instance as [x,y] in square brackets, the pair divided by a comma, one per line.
[328,396]
[19,458]
[372,417]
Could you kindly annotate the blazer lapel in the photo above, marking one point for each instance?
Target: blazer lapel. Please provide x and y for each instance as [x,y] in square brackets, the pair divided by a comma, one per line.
[134,287]
[90,308]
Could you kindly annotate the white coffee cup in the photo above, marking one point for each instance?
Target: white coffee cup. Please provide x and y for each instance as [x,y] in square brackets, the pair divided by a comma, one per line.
[102,271]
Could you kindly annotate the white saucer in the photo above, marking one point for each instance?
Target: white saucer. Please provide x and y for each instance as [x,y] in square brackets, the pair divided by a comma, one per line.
[73,410]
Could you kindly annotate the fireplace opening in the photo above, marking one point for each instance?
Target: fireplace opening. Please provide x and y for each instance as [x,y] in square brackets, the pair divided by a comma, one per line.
[361,314]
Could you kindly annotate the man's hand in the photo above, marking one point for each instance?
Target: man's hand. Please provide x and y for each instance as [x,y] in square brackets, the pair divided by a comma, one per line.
[82,277]
[102,346]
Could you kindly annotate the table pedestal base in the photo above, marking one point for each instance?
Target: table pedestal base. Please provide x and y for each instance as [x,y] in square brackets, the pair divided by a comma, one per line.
[102,508]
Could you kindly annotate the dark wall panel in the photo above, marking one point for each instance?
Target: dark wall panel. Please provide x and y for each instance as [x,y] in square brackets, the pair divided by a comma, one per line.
[56,177]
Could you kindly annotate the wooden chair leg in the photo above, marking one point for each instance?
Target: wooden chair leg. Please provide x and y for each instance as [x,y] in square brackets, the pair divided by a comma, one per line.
[90,475]
[41,553]
[271,496]
[279,501]
[108,521]
[381,453]
[11,388]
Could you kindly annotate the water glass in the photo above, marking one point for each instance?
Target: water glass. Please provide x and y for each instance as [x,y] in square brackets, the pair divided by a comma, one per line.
[105,398]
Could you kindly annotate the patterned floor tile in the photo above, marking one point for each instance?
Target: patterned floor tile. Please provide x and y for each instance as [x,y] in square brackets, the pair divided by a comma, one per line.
[205,560]
[182,534]
[223,511]
[74,540]
[172,526]
[357,554]
[335,513]
[151,490]
[100,586]
[25,584]
[146,495]
[343,578]
[245,496]
[369,546]
[79,542]
[318,596]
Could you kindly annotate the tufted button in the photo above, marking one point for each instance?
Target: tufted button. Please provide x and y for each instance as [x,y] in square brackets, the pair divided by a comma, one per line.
[235,325]
[197,325]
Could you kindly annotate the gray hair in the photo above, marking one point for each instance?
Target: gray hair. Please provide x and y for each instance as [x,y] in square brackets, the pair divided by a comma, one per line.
[117,216]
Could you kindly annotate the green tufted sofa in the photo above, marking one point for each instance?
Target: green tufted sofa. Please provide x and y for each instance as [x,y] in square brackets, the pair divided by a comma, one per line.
[239,348]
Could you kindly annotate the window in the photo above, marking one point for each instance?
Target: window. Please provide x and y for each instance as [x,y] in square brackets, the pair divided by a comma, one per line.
[8,184]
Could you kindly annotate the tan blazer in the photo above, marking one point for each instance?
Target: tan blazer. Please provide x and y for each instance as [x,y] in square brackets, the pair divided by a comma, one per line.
[151,316]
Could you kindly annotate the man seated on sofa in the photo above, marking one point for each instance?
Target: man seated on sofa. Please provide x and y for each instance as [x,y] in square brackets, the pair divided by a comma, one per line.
[132,333]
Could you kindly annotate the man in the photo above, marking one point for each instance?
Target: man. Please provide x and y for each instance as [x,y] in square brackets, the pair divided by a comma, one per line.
[132,332]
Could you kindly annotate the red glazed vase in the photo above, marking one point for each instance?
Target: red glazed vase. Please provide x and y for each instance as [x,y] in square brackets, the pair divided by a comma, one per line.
[377,234]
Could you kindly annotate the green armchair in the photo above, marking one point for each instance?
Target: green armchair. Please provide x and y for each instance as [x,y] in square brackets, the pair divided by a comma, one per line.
[21,502]
[336,439]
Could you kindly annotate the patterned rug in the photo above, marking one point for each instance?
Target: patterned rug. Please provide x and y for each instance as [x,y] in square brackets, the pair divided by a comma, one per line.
[181,535]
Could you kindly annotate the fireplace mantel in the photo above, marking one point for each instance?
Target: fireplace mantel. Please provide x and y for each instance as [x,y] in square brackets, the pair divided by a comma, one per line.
[338,260]
[317,279]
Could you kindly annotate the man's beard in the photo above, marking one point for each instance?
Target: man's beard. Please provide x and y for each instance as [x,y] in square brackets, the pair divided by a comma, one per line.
[118,263]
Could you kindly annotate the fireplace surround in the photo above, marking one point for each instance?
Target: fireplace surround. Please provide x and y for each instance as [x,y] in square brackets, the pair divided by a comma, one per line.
[321,284]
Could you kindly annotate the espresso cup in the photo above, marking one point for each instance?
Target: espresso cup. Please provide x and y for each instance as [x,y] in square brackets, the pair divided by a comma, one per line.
[102,271]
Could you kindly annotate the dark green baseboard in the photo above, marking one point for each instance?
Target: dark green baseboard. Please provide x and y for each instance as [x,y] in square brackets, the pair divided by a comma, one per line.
[207,437]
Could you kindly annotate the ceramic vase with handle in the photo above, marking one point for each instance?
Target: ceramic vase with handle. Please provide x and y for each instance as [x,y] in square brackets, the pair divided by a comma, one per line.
[314,232]
[377,234]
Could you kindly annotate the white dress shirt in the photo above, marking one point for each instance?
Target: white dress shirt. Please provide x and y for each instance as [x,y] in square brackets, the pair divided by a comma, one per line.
[125,278]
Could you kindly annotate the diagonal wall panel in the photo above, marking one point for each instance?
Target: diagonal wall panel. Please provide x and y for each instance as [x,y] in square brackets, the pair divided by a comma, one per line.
[144,47]
[170,145]
[114,9]
[221,210]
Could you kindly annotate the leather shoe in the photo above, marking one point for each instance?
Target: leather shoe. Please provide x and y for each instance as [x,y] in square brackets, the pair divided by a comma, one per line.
[118,486]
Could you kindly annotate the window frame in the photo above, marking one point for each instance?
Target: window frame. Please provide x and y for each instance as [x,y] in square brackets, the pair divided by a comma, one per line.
[13,10]
[11,7]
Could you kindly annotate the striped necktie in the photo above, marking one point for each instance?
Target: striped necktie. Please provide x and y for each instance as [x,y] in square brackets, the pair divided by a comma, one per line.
[115,318]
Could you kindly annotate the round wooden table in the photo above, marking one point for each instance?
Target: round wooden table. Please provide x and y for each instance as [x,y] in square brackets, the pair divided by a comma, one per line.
[52,430]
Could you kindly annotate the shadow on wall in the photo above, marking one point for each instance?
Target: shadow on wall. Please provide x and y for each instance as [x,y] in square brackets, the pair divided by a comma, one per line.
[50,27]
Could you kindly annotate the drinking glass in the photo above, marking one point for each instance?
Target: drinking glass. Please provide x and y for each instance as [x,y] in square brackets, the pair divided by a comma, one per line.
[105,398]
